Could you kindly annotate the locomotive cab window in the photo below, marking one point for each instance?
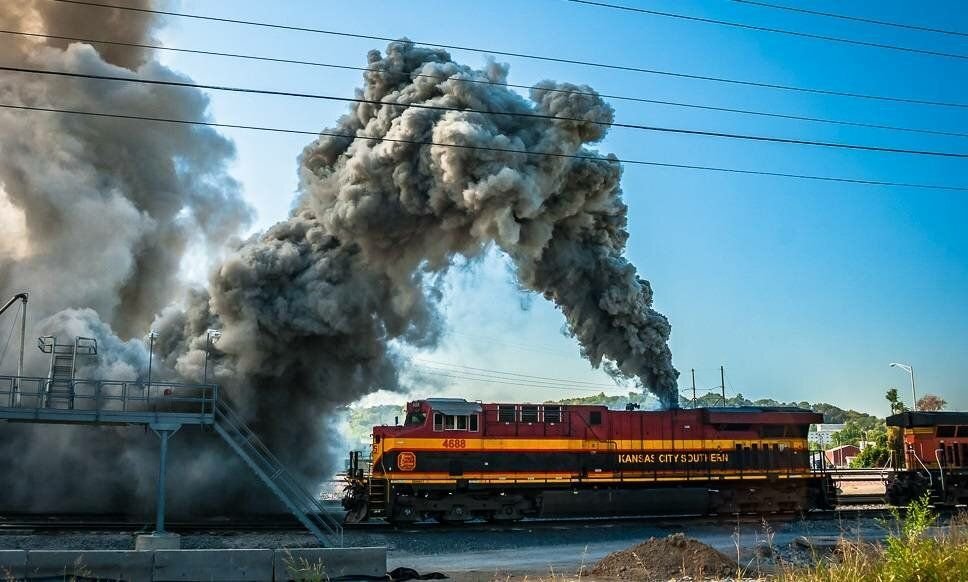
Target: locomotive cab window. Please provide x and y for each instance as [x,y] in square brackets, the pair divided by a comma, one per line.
[595,417]
[963,431]
[946,431]
[415,418]
[505,413]
[455,422]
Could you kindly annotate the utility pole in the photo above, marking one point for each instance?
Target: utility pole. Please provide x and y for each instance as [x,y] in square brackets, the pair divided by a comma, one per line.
[722,382]
[693,387]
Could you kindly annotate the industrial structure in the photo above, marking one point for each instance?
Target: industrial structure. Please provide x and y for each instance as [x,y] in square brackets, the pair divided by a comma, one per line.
[164,407]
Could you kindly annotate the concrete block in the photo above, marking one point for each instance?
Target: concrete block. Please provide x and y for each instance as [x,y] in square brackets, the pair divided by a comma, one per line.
[156,541]
[13,564]
[213,565]
[335,561]
[125,565]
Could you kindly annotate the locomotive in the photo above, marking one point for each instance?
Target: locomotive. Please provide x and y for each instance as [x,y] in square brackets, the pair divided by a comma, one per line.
[931,454]
[455,460]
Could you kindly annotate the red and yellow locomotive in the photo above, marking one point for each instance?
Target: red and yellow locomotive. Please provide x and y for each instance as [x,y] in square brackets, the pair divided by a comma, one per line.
[931,457]
[454,460]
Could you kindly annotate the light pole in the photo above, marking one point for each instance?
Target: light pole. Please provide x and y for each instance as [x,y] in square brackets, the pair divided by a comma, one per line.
[914,393]
[211,337]
[151,348]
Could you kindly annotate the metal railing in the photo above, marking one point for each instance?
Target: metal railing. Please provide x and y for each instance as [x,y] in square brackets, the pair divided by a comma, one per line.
[293,494]
[26,399]
[90,398]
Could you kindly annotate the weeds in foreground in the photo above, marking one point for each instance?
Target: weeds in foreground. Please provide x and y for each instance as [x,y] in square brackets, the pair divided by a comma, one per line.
[302,570]
[912,552]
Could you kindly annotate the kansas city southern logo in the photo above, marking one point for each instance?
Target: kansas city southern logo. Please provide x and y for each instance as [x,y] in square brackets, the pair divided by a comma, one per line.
[406,461]
[688,458]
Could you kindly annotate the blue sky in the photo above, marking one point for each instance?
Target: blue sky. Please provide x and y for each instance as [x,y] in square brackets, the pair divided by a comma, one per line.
[803,290]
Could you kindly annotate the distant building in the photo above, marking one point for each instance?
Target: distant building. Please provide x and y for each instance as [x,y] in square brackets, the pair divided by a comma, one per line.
[822,437]
[841,456]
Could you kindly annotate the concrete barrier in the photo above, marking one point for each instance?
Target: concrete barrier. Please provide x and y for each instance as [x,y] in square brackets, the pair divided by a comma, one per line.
[213,565]
[130,566]
[335,562]
[13,564]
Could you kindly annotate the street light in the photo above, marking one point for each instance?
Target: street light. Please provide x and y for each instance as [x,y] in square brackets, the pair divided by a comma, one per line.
[910,370]
[211,337]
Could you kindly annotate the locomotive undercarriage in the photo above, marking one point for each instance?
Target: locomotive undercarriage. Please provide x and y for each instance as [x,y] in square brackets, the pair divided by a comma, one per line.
[949,488]
[408,504]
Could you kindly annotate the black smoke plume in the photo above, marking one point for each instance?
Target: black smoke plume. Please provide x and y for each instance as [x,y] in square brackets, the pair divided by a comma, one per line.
[311,310]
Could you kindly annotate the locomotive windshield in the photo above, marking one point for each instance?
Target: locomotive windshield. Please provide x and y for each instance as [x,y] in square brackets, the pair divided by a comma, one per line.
[415,418]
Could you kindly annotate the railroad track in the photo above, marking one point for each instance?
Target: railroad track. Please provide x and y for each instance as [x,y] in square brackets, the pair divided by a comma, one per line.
[60,523]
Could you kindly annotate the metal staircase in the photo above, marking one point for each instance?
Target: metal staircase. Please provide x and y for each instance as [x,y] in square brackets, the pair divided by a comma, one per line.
[302,504]
[59,392]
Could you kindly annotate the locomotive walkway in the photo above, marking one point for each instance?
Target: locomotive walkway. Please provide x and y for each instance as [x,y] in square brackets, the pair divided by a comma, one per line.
[164,407]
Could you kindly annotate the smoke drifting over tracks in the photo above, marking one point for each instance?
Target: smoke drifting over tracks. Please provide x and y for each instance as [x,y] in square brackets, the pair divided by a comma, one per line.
[311,310]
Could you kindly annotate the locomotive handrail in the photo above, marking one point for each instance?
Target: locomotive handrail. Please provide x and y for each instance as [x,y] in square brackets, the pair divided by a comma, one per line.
[925,467]
[937,456]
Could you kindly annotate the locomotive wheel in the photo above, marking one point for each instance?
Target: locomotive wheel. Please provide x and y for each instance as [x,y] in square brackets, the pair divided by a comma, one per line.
[506,514]
[457,514]
[404,515]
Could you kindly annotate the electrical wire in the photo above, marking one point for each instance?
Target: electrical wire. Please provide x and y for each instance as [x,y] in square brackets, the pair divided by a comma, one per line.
[513,375]
[506,382]
[455,79]
[756,28]
[544,58]
[609,159]
[540,348]
[853,18]
[528,115]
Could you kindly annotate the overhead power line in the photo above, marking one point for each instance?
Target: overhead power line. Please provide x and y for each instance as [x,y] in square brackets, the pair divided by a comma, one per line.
[853,18]
[506,382]
[523,114]
[499,373]
[610,159]
[615,67]
[455,79]
[744,26]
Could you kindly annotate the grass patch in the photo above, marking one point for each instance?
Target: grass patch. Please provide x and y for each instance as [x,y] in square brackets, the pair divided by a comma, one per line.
[302,570]
[915,551]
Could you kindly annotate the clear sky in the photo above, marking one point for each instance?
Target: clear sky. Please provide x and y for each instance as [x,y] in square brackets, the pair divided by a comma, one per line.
[803,290]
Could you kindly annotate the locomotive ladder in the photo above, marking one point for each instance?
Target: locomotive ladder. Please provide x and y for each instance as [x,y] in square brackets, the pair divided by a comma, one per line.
[379,492]
[302,504]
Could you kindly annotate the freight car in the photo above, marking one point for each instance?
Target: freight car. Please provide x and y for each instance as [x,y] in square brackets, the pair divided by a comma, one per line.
[931,457]
[453,460]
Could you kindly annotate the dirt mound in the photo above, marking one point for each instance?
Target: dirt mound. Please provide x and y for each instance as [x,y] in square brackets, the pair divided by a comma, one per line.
[663,559]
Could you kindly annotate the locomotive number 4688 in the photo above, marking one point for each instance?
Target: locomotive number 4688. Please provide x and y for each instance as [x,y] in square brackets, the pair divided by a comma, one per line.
[455,444]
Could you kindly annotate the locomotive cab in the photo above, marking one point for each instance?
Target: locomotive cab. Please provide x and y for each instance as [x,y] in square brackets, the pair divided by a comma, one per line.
[932,458]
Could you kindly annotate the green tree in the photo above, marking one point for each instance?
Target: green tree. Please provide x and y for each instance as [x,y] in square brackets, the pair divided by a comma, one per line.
[897,406]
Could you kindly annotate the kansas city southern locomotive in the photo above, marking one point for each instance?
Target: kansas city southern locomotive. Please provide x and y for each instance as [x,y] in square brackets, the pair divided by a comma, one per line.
[931,455]
[454,460]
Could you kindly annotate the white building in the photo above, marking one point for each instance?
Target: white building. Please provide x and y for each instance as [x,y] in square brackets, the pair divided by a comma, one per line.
[823,435]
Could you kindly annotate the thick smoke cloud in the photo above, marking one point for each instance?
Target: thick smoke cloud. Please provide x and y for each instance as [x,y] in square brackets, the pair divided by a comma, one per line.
[109,206]
[310,310]
[96,215]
